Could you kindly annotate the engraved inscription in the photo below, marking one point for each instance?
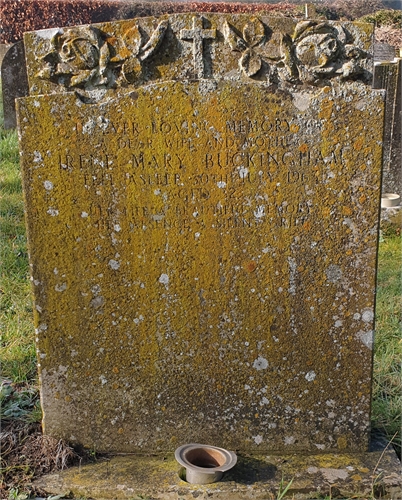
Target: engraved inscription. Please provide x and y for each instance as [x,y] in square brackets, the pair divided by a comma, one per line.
[237,182]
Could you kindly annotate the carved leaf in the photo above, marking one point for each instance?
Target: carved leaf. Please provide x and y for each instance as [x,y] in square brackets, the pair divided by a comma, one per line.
[352,51]
[250,63]
[131,69]
[55,41]
[154,42]
[254,32]
[351,69]
[104,58]
[235,41]
[323,28]
[343,35]
[46,73]
[302,27]
[272,49]
[133,40]
[82,78]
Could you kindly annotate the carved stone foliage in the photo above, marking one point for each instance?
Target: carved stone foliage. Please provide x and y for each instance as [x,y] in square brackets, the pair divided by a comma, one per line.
[86,57]
[323,50]
[316,50]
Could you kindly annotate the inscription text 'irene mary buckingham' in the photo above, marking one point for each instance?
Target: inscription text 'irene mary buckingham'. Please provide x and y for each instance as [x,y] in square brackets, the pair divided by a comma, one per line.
[264,155]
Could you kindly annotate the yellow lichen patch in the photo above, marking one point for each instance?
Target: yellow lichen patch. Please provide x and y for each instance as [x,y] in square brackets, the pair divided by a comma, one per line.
[326,109]
[358,144]
[250,266]
[342,443]
[326,211]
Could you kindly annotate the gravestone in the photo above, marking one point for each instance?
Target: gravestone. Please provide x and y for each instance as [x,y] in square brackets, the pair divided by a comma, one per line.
[387,75]
[202,196]
[384,52]
[14,82]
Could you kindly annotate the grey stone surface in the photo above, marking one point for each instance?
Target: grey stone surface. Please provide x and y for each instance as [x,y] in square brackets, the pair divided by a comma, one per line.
[388,76]
[3,49]
[14,82]
[384,52]
[358,476]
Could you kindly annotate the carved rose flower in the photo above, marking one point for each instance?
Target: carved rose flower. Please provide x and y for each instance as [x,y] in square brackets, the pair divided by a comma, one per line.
[85,57]
[78,56]
[78,53]
[317,46]
[322,49]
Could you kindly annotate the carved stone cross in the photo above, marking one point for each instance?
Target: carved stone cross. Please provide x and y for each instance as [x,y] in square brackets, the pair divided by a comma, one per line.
[197,35]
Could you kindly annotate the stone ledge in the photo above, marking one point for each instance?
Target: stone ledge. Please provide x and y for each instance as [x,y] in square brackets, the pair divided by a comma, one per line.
[366,475]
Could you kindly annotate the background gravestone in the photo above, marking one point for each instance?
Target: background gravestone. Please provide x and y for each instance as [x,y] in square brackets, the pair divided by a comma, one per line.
[387,75]
[14,82]
[202,198]
[384,52]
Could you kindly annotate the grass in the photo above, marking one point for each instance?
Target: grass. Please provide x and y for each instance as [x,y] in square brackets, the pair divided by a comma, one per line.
[18,384]
[17,349]
[387,387]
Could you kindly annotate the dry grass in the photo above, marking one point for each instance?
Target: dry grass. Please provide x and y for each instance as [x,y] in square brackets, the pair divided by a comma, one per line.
[26,453]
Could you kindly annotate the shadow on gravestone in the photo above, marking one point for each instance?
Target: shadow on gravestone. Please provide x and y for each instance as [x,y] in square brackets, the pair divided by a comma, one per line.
[14,82]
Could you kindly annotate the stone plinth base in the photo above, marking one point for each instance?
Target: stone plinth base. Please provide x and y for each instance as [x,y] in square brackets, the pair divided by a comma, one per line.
[368,475]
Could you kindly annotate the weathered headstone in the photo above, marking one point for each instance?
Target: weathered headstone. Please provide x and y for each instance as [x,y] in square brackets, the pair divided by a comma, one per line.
[388,75]
[202,198]
[14,82]
[384,52]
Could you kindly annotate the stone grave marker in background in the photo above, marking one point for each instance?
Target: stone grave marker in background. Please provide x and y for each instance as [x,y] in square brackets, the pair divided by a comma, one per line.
[202,196]
[387,75]
[14,82]
[384,52]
